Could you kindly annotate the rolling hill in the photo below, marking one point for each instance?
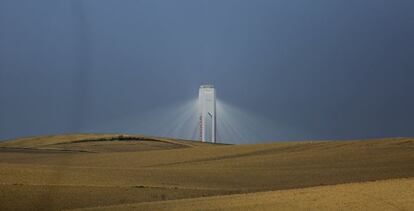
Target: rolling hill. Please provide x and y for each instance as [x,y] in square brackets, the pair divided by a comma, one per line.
[99,170]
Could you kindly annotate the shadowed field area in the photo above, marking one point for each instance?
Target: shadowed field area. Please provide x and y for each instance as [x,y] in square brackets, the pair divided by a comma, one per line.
[91,170]
[394,194]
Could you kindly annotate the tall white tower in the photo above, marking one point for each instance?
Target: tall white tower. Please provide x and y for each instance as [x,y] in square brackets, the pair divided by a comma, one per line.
[207,109]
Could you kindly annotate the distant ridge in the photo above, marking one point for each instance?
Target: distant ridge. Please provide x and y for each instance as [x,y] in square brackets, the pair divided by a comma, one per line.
[67,140]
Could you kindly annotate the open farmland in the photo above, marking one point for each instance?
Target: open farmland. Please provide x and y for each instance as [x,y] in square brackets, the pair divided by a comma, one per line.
[99,170]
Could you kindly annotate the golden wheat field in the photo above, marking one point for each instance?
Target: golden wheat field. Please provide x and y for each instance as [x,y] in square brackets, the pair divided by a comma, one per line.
[114,171]
[395,194]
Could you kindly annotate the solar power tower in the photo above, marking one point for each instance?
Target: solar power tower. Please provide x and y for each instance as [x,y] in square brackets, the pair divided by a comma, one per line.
[207,109]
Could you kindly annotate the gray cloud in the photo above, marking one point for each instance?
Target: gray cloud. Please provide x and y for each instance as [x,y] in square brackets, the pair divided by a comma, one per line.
[335,69]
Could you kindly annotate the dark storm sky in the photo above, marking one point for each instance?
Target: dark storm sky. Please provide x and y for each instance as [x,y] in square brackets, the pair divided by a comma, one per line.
[338,69]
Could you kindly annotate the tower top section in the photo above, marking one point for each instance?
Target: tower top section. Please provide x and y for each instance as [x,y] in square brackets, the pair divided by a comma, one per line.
[206,86]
